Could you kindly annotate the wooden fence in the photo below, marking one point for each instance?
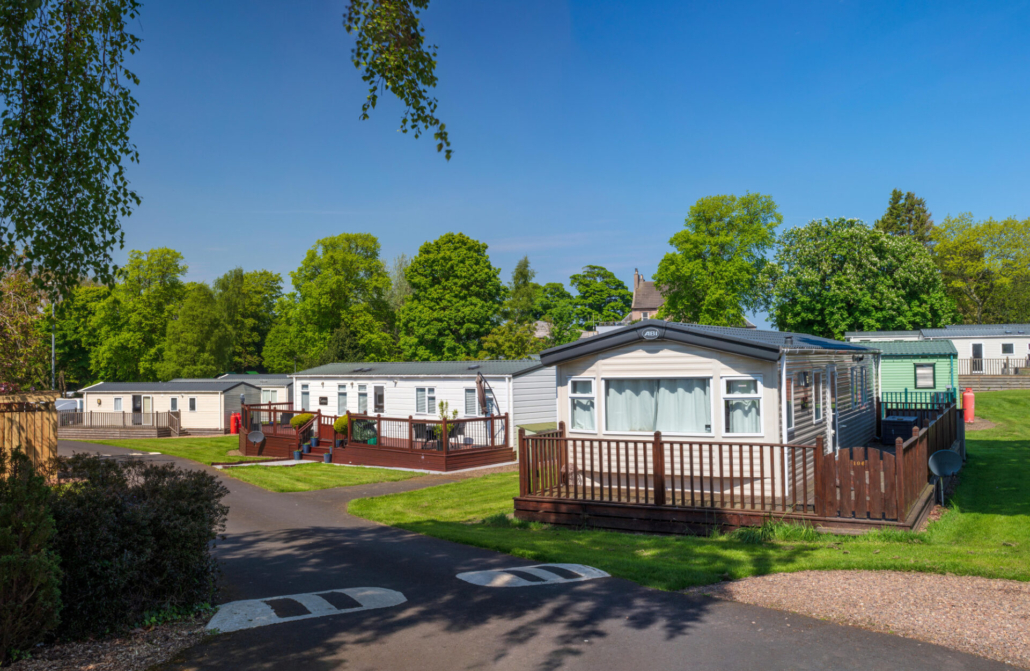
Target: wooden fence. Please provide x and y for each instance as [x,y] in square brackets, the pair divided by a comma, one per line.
[29,422]
[604,478]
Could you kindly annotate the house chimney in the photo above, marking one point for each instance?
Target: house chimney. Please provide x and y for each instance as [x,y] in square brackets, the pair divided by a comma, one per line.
[636,278]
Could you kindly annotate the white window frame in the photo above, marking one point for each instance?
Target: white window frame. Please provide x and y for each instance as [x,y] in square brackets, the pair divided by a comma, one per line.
[725,396]
[490,398]
[191,403]
[116,403]
[598,422]
[173,404]
[602,408]
[362,392]
[817,396]
[915,372]
[341,390]
[430,393]
[305,403]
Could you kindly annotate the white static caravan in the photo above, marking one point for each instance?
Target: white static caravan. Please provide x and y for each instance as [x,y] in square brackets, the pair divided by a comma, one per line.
[710,383]
[524,389]
[204,405]
[275,387]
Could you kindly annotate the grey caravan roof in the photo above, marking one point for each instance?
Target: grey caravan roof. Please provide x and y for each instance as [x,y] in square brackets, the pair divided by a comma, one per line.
[978,331]
[882,334]
[756,343]
[258,379]
[514,367]
[173,387]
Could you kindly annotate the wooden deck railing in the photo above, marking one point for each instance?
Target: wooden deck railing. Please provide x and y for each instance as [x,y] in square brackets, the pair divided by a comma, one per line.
[108,420]
[1011,365]
[442,435]
[860,483]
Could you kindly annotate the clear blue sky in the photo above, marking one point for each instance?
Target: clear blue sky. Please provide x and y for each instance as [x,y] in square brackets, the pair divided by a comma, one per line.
[582,131]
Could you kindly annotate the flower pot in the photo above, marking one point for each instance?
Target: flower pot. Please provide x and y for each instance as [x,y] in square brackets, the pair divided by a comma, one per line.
[296,455]
[307,448]
[314,441]
[340,442]
[327,458]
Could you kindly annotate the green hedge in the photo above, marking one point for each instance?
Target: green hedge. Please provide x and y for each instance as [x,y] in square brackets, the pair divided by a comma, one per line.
[29,573]
[134,538]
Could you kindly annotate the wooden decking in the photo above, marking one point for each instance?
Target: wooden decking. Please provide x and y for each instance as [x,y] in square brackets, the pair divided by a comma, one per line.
[372,440]
[659,486]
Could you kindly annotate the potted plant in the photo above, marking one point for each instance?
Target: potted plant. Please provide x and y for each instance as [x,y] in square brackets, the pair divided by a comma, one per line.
[340,427]
[327,458]
[298,421]
[296,455]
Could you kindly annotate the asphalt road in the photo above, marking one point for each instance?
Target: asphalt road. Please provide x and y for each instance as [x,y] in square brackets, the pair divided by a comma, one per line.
[281,544]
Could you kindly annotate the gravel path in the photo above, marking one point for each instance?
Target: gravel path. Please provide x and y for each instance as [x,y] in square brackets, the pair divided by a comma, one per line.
[985,617]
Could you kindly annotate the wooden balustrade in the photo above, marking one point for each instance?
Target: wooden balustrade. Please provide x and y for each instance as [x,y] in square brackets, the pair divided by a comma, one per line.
[859,484]
[1010,365]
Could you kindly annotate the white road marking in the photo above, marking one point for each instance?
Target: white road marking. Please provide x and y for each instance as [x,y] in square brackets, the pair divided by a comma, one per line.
[251,613]
[508,577]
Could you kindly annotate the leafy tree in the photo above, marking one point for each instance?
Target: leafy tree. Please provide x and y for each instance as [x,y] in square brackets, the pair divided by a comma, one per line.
[907,215]
[714,276]
[456,296]
[75,338]
[342,280]
[131,323]
[563,324]
[400,290]
[199,342]
[601,296]
[550,296]
[290,344]
[24,351]
[341,346]
[985,266]
[510,340]
[67,106]
[521,294]
[839,275]
[390,50]
[247,301]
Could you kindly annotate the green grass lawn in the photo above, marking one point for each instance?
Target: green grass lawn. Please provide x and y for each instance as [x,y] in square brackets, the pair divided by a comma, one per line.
[206,450]
[986,532]
[307,477]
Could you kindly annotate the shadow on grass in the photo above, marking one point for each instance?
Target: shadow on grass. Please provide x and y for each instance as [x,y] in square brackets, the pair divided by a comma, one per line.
[996,478]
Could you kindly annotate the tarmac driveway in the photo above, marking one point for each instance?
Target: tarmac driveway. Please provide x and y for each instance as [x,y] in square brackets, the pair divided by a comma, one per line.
[285,544]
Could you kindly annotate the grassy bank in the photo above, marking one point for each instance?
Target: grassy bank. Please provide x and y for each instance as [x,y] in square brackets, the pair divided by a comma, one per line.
[203,449]
[308,477]
[986,531]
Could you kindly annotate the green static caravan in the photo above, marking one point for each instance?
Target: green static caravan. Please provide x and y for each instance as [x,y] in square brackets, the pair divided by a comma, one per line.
[916,365]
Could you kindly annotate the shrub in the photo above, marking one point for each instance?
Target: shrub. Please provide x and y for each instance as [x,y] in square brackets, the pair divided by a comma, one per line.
[134,538]
[340,425]
[29,573]
[300,420]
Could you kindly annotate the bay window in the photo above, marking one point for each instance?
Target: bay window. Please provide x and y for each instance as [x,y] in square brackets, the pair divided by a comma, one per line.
[670,405]
[742,405]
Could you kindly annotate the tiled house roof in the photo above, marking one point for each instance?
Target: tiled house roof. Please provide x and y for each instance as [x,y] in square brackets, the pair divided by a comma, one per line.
[645,294]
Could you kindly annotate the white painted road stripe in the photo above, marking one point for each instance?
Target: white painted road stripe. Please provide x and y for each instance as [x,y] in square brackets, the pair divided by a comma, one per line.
[508,577]
[252,613]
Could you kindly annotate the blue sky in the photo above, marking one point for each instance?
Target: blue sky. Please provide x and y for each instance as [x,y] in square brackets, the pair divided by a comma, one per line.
[582,131]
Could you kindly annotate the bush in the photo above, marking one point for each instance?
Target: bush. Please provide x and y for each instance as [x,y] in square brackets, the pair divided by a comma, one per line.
[300,420]
[134,538]
[340,425]
[29,573]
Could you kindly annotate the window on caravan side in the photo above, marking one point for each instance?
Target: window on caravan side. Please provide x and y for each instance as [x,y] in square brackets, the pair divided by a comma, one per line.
[742,406]
[341,399]
[925,378]
[817,395]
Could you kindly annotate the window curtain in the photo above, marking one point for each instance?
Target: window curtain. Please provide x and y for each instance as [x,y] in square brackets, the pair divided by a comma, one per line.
[420,400]
[583,414]
[672,405]
[742,416]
